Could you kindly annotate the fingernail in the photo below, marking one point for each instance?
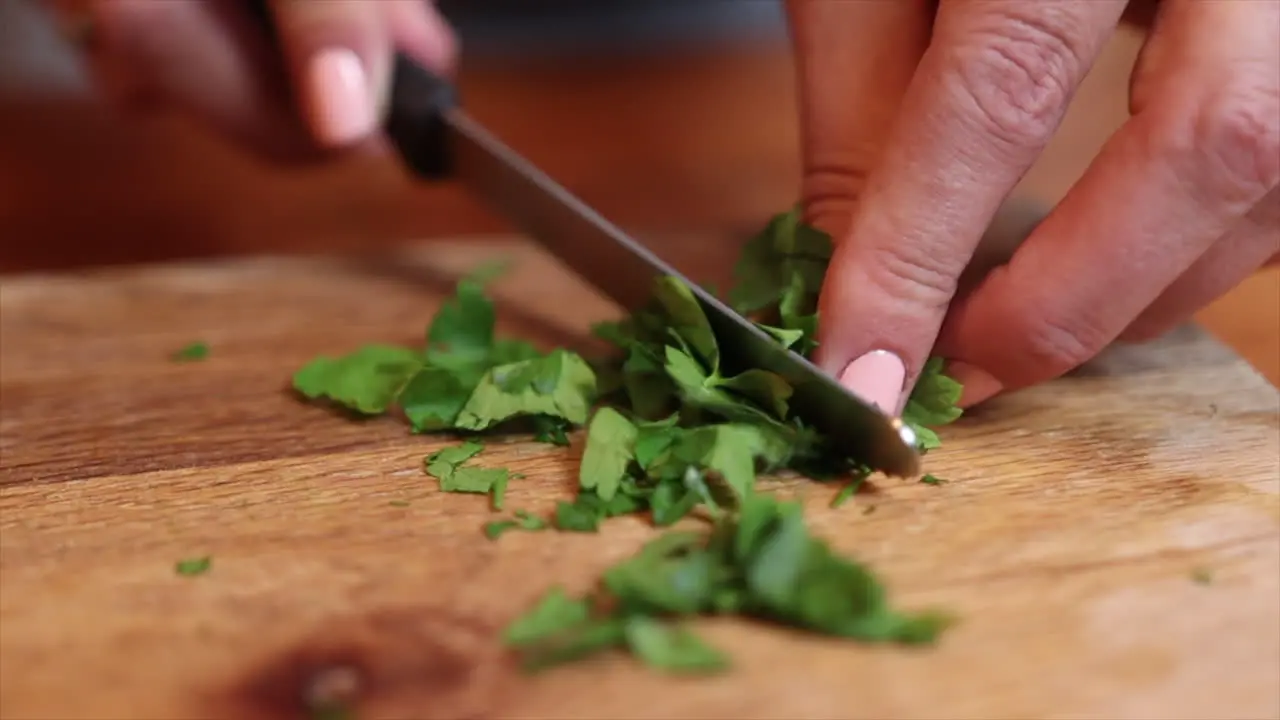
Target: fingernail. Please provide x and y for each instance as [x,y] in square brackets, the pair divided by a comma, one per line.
[877,378]
[341,109]
[979,385]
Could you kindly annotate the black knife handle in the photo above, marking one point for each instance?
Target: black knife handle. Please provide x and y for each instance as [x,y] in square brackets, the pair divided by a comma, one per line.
[418,102]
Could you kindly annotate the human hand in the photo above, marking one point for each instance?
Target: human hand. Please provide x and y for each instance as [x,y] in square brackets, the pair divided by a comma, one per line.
[207,57]
[917,127]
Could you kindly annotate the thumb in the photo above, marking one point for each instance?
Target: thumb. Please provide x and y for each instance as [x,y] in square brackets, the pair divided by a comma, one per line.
[854,62]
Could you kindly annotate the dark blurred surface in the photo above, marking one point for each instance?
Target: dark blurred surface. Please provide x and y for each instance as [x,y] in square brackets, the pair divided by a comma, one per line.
[571,26]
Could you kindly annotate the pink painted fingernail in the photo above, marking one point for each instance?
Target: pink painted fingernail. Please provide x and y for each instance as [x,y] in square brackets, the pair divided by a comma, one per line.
[979,385]
[877,378]
[341,108]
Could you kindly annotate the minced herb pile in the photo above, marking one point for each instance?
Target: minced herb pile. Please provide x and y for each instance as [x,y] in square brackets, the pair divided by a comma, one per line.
[668,433]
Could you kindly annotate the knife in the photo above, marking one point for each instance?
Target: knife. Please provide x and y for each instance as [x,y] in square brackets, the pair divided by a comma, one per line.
[438,140]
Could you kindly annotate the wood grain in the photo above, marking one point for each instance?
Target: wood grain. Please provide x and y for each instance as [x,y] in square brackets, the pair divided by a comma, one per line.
[1066,539]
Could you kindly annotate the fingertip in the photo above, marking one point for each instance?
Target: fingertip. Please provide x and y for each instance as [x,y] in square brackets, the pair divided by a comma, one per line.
[339,54]
[340,111]
[878,378]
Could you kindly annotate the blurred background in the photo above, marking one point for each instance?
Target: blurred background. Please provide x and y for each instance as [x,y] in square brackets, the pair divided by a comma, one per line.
[670,117]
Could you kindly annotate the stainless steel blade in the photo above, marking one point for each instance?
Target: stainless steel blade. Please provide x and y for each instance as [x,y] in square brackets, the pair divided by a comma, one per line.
[626,271]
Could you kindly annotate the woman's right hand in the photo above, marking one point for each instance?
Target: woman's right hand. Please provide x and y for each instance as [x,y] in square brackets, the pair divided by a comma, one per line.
[208,58]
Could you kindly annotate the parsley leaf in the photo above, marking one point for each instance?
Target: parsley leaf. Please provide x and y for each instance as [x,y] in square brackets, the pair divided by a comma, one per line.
[190,353]
[760,561]
[464,326]
[191,567]
[610,449]
[560,384]
[523,520]
[367,381]
[448,466]
[932,403]
[669,647]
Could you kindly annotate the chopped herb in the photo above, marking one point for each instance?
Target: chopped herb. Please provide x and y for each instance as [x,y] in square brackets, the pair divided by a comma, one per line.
[671,647]
[523,520]
[494,529]
[932,480]
[552,430]
[191,353]
[366,382]
[761,562]
[869,509]
[399,503]
[1202,576]
[465,378]
[670,432]
[448,466]
[610,449]
[846,492]
[850,488]
[191,567]
[932,403]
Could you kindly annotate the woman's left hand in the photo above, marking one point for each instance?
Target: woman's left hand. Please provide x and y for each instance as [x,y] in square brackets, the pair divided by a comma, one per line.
[917,127]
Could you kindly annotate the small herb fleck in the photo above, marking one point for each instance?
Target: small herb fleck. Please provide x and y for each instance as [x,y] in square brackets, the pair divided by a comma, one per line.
[868,509]
[399,503]
[191,567]
[850,489]
[524,520]
[932,480]
[1202,576]
[191,353]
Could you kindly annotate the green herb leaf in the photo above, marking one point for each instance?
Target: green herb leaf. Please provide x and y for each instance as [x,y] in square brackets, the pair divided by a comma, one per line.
[522,521]
[443,462]
[932,480]
[464,325]
[766,389]
[554,613]
[687,320]
[579,516]
[551,430]
[559,385]
[434,396]
[191,353]
[610,449]
[367,381]
[191,567]
[672,648]
[446,465]
[932,403]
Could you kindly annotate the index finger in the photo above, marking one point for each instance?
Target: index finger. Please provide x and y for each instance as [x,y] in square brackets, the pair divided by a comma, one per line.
[987,96]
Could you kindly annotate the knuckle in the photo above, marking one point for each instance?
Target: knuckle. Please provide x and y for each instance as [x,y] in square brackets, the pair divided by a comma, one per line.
[1054,345]
[1018,71]
[914,273]
[1236,139]
[829,193]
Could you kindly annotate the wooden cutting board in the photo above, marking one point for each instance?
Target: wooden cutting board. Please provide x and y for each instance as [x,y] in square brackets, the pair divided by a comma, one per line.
[1110,541]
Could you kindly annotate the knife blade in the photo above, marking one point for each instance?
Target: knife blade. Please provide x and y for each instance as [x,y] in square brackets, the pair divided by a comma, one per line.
[627,272]
[438,140]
